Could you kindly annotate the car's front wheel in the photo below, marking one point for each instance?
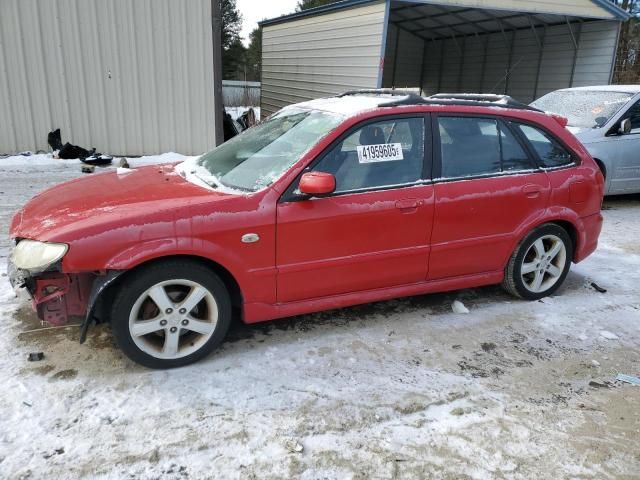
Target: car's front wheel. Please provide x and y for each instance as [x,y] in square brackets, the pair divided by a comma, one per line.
[540,263]
[170,314]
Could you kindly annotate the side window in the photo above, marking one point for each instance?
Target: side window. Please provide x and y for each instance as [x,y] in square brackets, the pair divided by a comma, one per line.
[386,153]
[551,153]
[476,146]
[514,158]
[634,115]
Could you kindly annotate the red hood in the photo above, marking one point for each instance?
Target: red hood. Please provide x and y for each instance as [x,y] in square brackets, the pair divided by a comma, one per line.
[95,199]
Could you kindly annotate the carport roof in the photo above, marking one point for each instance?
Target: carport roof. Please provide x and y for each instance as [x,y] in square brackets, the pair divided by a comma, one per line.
[467,13]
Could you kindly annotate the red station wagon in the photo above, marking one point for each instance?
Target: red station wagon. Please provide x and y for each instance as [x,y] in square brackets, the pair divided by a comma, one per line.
[367,196]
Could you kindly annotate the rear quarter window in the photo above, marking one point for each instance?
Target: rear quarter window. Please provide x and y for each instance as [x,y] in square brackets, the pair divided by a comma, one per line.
[549,150]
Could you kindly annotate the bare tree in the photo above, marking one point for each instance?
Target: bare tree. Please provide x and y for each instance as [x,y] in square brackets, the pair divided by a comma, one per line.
[627,68]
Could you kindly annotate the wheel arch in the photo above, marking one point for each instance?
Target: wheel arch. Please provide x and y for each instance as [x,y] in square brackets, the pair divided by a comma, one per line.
[561,220]
[106,290]
[570,228]
[602,167]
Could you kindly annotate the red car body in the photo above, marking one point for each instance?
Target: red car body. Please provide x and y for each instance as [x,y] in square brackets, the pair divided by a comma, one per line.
[312,255]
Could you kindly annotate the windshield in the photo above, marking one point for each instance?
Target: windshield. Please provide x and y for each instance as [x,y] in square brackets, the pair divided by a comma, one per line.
[259,156]
[583,108]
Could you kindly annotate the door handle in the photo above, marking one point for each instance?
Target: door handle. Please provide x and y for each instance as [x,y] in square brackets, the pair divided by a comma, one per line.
[532,191]
[408,204]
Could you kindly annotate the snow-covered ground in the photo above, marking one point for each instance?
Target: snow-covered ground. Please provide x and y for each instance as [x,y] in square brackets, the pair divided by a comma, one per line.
[402,389]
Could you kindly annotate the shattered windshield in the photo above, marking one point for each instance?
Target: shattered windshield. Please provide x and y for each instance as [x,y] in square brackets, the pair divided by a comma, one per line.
[260,155]
[584,108]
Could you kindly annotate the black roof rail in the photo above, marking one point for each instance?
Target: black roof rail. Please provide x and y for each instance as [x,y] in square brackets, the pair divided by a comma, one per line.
[381,91]
[470,99]
[480,99]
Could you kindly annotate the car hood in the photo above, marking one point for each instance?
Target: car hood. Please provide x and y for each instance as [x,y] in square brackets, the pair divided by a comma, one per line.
[101,198]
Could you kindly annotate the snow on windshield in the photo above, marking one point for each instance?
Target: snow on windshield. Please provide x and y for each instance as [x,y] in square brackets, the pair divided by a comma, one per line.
[583,108]
[259,156]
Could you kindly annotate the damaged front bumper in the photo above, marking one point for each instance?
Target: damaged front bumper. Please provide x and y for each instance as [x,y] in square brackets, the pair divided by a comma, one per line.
[55,296]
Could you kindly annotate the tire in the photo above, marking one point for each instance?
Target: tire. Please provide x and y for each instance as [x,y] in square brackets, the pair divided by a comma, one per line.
[532,275]
[187,318]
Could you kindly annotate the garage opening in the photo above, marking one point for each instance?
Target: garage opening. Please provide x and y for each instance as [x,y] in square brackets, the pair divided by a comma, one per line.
[436,48]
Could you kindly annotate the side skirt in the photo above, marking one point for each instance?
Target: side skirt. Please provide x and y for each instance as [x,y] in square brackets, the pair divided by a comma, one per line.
[260,312]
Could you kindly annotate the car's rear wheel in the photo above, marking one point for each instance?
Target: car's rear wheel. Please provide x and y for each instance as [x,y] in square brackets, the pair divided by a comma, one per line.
[170,314]
[540,263]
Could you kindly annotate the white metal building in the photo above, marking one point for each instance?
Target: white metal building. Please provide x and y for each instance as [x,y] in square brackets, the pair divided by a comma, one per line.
[524,48]
[128,77]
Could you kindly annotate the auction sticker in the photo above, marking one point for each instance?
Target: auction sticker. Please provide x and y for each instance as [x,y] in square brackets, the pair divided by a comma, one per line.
[385,152]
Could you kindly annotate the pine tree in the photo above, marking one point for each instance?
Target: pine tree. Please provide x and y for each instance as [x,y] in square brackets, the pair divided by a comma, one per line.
[233,52]
[306,4]
[253,55]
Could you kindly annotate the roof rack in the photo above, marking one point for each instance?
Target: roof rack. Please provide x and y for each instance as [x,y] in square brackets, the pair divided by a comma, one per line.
[484,99]
[382,91]
[470,99]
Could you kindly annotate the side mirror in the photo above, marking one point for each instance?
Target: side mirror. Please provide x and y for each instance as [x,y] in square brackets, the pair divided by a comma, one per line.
[317,184]
[625,127]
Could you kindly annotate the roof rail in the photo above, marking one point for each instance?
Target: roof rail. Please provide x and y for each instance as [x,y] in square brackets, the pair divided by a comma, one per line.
[471,99]
[381,91]
[483,99]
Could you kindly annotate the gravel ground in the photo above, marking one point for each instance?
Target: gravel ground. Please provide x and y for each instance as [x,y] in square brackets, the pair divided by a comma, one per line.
[403,389]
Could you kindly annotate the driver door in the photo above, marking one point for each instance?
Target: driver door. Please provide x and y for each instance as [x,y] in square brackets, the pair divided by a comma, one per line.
[625,153]
[374,230]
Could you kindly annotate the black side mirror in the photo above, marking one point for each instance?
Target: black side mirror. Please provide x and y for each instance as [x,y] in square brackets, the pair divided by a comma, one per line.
[625,127]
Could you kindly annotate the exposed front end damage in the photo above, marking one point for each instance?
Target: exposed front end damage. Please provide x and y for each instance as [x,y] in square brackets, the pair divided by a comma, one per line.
[55,296]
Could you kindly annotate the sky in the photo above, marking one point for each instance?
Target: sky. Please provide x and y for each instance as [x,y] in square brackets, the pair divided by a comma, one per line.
[255,10]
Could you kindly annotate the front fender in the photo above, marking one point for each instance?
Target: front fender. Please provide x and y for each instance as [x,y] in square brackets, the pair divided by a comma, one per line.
[139,253]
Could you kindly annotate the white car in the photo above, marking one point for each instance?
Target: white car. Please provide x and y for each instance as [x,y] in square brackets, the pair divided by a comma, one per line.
[606,119]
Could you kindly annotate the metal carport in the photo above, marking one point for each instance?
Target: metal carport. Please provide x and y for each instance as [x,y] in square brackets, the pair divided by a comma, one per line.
[521,48]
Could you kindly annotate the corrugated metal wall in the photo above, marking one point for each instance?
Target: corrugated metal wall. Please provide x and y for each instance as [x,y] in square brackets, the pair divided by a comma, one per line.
[128,77]
[480,63]
[321,56]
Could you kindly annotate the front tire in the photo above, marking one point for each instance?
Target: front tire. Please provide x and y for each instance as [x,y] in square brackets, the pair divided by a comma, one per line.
[170,314]
[540,263]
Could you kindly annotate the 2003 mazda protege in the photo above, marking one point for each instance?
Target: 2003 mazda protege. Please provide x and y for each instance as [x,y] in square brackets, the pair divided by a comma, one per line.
[333,202]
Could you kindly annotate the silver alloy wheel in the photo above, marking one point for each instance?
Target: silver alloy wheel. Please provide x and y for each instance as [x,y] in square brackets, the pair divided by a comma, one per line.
[543,264]
[173,319]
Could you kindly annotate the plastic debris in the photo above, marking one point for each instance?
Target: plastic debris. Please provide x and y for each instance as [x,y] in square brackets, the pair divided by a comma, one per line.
[628,379]
[87,168]
[458,307]
[595,363]
[294,446]
[36,356]
[123,171]
[608,335]
[598,288]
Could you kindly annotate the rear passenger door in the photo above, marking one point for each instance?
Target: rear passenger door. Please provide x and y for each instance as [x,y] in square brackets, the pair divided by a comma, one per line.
[487,185]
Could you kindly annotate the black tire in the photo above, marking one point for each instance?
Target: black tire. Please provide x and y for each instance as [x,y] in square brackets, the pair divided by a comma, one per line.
[513,281]
[135,285]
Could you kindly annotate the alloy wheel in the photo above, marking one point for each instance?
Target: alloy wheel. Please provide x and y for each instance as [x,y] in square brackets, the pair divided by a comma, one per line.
[173,319]
[543,264]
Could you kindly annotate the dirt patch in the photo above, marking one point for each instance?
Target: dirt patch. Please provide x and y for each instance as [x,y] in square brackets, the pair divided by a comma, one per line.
[67,374]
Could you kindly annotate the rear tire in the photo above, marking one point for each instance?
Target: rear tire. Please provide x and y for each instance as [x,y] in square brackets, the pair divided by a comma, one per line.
[540,263]
[170,314]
